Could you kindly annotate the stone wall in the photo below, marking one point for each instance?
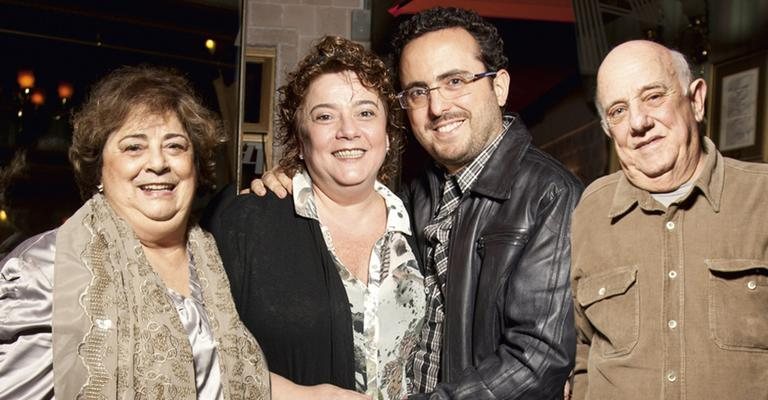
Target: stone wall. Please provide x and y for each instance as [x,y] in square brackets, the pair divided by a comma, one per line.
[292,26]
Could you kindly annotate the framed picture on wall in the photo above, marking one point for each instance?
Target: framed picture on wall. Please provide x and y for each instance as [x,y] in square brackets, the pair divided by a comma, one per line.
[738,107]
[256,105]
[253,159]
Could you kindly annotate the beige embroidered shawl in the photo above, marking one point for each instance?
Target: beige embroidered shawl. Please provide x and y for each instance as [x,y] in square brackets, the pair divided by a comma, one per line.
[116,334]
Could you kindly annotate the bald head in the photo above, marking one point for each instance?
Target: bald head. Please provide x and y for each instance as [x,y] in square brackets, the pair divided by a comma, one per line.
[651,109]
[650,52]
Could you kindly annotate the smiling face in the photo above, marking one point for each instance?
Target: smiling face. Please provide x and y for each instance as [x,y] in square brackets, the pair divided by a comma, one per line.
[148,171]
[344,138]
[652,119]
[453,131]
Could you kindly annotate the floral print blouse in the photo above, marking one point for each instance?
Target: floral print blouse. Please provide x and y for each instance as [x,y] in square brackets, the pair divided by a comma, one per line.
[387,313]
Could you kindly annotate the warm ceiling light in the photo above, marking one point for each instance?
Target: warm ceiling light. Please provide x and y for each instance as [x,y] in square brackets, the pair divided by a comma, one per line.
[65,90]
[210,44]
[3,216]
[26,79]
[37,98]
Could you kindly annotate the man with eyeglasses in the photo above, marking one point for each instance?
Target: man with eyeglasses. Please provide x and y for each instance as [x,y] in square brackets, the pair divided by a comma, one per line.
[670,254]
[492,217]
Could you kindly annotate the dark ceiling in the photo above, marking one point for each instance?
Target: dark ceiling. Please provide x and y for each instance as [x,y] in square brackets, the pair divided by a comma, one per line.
[79,41]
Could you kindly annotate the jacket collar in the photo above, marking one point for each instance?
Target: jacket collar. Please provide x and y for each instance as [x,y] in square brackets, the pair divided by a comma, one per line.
[494,180]
[709,182]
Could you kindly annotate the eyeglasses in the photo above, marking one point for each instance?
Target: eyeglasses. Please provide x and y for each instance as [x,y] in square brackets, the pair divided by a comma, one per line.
[450,87]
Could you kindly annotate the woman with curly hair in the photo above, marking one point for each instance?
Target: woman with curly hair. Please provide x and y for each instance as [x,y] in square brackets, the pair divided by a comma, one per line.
[128,298]
[327,280]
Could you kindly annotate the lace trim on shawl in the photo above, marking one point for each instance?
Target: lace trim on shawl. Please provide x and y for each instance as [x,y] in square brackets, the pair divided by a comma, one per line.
[133,336]
[93,302]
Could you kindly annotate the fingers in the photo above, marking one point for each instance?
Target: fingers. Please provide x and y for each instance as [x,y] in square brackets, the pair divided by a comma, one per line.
[274,184]
[274,180]
[285,181]
[257,187]
[351,395]
[330,392]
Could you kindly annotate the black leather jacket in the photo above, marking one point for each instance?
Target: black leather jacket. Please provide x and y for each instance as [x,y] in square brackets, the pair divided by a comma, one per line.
[508,330]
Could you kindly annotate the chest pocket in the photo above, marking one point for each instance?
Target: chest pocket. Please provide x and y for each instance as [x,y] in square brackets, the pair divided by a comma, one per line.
[610,300]
[499,254]
[738,304]
[499,251]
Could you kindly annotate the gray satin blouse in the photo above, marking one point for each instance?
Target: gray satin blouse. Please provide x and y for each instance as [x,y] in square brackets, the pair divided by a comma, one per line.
[26,300]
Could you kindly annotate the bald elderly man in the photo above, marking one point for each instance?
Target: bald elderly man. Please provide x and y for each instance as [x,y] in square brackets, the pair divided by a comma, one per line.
[670,254]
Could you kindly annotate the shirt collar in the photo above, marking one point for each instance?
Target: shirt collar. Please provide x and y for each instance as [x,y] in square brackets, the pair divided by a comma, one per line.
[709,183]
[305,206]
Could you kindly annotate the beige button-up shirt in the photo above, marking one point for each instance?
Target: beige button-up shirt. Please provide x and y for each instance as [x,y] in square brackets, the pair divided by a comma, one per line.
[672,303]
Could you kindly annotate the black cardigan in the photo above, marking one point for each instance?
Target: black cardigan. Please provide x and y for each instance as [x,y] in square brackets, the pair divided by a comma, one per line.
[286,288]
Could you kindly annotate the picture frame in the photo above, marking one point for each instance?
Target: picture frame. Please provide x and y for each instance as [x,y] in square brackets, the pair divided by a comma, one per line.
[252,159]
[256,120]
[737,111]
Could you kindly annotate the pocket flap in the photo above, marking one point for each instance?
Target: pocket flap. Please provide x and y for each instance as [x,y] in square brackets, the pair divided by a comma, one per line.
[614,282]
[736,265]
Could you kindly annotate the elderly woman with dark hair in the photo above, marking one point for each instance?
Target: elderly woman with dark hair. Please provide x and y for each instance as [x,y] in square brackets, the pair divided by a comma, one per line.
[128,299]
[327,281]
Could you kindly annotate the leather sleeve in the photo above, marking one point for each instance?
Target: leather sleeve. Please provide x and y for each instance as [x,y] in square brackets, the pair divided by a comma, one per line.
[537,351]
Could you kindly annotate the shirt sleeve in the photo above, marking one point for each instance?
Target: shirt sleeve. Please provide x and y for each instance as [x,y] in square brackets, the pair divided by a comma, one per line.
[26,305]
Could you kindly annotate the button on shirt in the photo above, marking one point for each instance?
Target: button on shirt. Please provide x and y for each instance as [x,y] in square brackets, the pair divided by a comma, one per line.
[672,302]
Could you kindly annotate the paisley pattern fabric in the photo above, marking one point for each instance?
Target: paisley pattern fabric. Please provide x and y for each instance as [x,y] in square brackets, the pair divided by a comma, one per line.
[387,313]
[117,334]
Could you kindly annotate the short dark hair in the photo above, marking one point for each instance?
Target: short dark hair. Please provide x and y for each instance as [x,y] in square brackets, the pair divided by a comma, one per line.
[330,55]
[434,19]
[151,90]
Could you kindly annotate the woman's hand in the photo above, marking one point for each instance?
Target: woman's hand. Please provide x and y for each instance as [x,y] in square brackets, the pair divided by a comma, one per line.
[285,389]
[326,391]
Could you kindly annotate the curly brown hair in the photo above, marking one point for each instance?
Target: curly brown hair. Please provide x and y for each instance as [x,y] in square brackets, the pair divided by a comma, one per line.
[334,54]
[146,90]
[438,18]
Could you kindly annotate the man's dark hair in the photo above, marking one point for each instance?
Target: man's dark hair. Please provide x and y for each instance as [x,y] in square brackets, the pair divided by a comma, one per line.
[434,19]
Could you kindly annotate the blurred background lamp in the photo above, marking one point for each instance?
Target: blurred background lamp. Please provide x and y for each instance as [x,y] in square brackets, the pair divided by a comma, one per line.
[37,98]
[210,44]
[26,79]
[65,90]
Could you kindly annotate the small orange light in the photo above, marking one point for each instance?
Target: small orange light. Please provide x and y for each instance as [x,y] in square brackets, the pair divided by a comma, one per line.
[26,79]
[65,90]
[37,98]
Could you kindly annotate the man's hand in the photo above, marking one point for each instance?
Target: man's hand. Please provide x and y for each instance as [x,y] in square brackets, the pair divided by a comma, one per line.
[274,180]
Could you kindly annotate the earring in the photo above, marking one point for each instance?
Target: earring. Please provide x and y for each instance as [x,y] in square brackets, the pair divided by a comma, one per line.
[301,156]
[100,188]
